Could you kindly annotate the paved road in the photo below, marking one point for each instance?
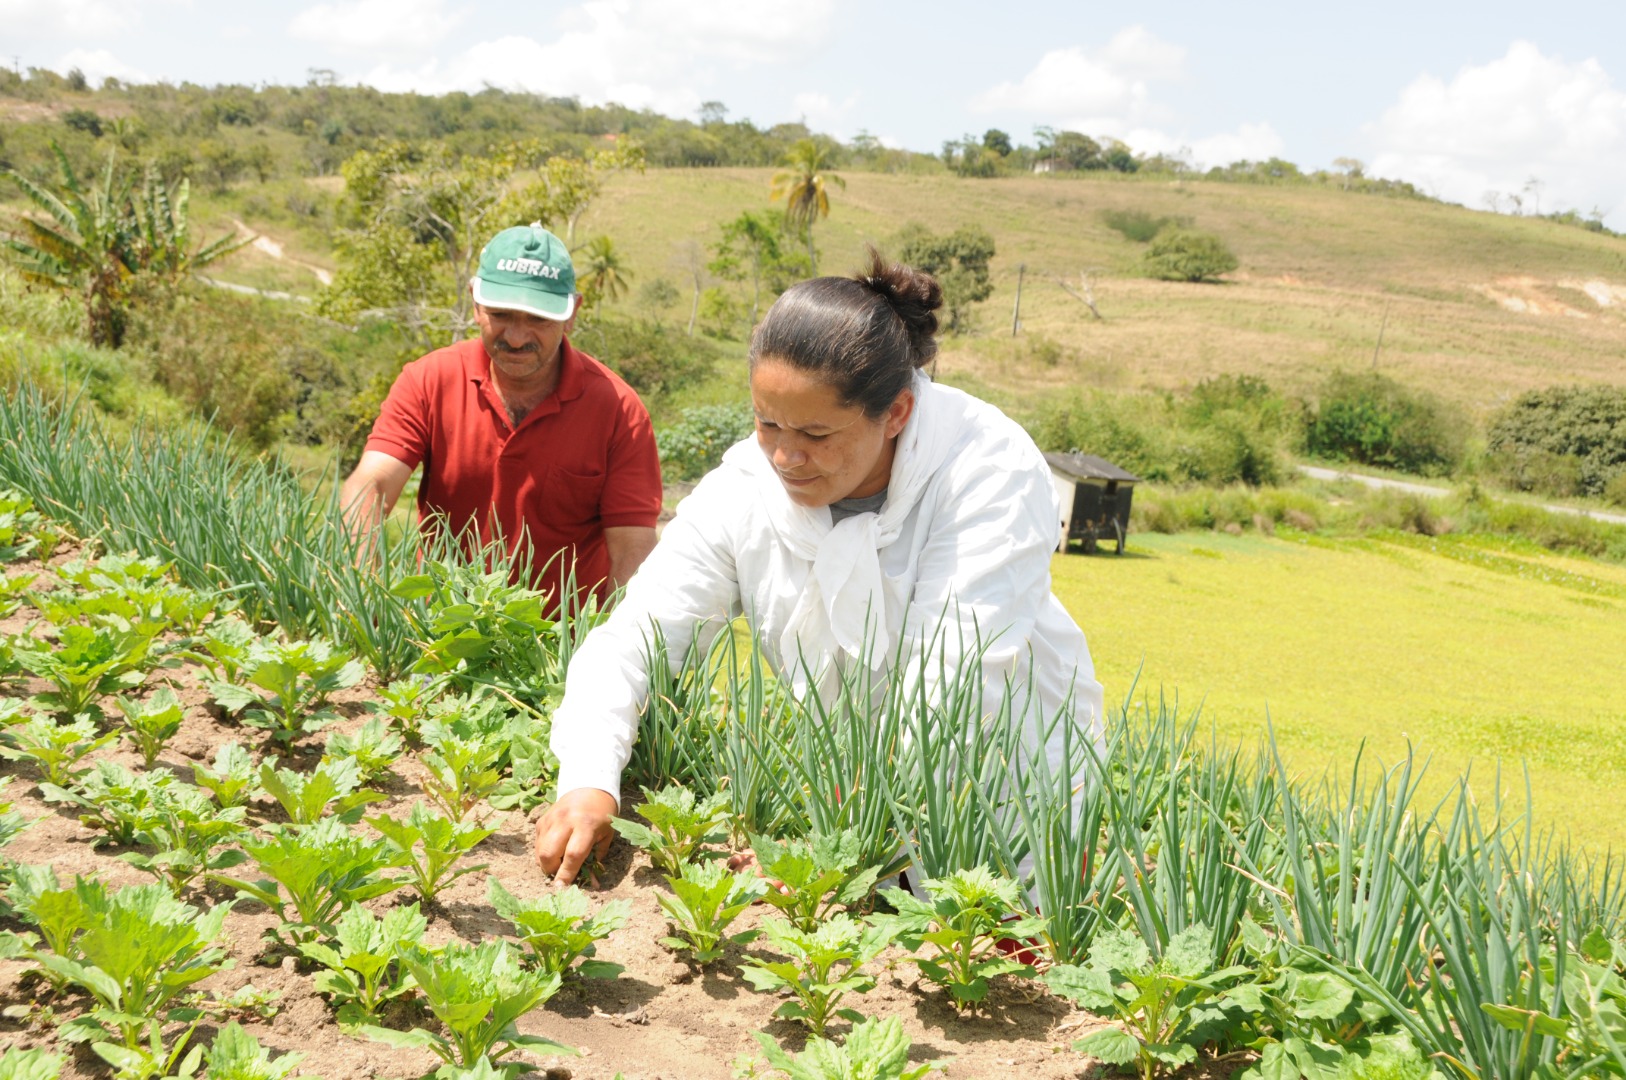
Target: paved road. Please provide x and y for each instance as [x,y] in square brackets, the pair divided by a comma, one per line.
[1430,491]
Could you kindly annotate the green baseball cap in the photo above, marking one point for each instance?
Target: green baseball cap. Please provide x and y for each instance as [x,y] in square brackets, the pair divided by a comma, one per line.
[527,269]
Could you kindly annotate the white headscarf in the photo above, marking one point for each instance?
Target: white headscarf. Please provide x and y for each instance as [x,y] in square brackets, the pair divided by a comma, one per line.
[848,602]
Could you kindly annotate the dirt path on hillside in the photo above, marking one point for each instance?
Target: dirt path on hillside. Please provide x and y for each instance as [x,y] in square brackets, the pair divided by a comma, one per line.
[1429,491]
[273,248]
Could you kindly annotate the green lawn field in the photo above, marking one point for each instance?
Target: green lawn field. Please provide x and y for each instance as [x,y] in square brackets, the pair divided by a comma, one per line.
[1475,653]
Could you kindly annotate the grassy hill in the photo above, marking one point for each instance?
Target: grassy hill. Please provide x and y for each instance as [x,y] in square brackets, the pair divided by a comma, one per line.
[1474,306]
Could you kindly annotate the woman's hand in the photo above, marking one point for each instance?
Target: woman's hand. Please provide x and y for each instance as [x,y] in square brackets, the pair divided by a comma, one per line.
[576,826]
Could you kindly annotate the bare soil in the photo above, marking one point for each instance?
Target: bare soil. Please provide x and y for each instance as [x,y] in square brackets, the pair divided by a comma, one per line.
[662,1019]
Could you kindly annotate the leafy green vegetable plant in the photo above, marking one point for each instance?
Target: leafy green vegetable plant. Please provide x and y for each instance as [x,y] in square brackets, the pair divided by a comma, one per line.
[816,875]
[874,1050]
[224,647]
[466,744]
[151,1058]
[237,1055]
[33,1064]
[19,524]
[152,723]
[430,846]
[824,966]
[233,779]
[478,992]
[55,748]
[119,802]
[135,951]
[13,589]
[334,787]
[680,826]
[362,972]
[296,677]
[558,928]
[967,912]
[374,748]
[322,868]
[705,899]
[190,835]
[1157,1002]
[90,663]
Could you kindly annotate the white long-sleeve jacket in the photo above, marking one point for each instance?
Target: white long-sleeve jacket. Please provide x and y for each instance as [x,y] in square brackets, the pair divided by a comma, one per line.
[968,528]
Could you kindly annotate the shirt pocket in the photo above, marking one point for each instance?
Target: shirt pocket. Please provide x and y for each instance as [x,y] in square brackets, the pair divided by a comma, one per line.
[570,500]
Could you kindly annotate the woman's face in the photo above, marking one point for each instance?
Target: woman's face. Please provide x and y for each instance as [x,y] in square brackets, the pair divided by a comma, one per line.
[823,450]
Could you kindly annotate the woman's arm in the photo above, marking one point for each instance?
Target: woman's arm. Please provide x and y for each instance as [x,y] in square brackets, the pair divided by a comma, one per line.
[687,586]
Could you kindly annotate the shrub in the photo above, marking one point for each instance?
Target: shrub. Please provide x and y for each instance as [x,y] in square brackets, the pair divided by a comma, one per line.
[1615,490]
[652,358]
[695,444]
[1188,255]
[1563,440]
[1138,225]
[1372,419]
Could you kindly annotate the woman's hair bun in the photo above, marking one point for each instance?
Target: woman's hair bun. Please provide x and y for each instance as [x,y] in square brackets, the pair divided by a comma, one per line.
[914,295]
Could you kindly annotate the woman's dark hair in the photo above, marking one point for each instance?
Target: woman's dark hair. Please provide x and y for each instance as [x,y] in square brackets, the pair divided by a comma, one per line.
[864,335]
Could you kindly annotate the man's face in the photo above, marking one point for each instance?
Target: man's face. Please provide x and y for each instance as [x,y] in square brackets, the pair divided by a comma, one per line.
[522,346]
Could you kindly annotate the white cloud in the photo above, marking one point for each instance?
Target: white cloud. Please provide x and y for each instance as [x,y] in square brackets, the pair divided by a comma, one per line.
[98,64]
[70,18]
[822,114]
[1111,91]
[1495,127]
[376,25]
[641,53]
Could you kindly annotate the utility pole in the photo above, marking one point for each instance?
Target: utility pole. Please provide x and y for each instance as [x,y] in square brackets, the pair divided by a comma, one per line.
[1016,312]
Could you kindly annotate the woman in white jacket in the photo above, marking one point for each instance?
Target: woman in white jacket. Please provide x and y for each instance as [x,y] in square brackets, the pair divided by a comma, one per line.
[871,505]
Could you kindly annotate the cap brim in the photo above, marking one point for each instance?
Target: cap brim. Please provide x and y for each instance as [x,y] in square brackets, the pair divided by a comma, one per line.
[518,298]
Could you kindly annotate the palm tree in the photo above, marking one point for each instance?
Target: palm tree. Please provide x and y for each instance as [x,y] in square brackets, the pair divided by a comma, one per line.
[105,243]
[603,276]
[803,185]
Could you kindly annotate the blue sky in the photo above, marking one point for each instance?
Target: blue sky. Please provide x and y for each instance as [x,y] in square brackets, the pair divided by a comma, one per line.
[1477,103]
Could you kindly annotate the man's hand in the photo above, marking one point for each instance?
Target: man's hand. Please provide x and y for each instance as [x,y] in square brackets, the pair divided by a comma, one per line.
[576,826]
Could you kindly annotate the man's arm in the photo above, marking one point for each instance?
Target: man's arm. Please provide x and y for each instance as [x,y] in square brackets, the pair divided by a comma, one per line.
[628,546]
[371,492]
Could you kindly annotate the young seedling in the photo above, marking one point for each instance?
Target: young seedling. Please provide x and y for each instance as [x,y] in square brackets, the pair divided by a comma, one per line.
[824,966]
[334,788]
[404,705]
[135,952]
[191,837]
[225,647]
[152,723]
[232,780]
[296,678]
[33,1064]
[1155,1002]
[705,899]
[120,803]
[968,911]
[478,992]
[816,875]
[466,748]
[680,826]
[374,748]
[91,662]
[19,524]
[151,1058]
[558,929]
[430,846]
[362,972]
[875,1050]
[55,748]
[13,590]
[322,868]
[237,1055]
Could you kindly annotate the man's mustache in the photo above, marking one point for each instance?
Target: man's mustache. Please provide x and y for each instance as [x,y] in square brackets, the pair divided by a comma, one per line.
[528,350]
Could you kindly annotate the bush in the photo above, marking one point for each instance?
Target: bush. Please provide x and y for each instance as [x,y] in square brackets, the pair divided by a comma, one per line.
[1615,491]
[694,445]
[1188,255]
[1138,225]
[654,359]
[1372,419]
[1563,440]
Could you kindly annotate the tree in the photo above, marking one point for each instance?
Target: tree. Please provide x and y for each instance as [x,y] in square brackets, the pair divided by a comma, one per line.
[997,141]
[751,249]
[110,244]
[1078,151]
[600,273]
[803,185]
[959,262]
[1188,255]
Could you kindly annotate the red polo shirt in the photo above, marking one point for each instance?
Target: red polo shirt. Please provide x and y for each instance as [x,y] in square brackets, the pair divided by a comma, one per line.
[581,461]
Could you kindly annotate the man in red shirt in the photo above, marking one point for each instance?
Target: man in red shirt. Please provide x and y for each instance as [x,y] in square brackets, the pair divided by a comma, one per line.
[522,437]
